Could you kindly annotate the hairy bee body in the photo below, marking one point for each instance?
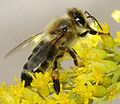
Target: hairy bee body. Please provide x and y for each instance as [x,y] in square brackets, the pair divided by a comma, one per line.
[45,52]
[61,33]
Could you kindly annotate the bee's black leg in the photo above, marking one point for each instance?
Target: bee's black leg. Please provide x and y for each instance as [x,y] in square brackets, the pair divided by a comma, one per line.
[92,31]
[73,54]
[55,72]
[93,18]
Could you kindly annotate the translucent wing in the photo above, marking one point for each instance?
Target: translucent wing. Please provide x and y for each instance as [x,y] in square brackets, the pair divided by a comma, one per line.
[31,41]
[42,52]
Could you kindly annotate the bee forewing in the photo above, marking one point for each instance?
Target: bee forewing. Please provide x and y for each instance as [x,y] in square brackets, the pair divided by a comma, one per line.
[30,42]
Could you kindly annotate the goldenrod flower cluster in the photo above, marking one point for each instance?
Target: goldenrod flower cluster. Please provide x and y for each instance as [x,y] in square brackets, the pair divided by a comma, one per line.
[96,80]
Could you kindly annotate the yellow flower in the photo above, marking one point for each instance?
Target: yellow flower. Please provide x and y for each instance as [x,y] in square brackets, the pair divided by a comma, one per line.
[42,82]
[30,97]
[106,37]
[117,39]
[12,94]
[85,89]
[3,88]
[63,98]
[40,79]
[104,26]
[112,91]
[17,90]
[116,15]
[95,40]
[97,75]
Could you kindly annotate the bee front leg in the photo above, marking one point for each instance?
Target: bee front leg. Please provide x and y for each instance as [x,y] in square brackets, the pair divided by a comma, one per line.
[75,56]
[93,18]
[55,72]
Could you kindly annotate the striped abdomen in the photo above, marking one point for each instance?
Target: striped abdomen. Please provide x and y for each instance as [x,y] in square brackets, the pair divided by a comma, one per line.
[38,61]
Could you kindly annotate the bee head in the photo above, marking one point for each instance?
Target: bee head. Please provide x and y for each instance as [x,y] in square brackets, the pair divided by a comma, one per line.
[77,16]
[79,21]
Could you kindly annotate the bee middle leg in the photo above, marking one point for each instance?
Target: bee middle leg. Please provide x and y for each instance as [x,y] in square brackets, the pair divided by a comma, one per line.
[55,71]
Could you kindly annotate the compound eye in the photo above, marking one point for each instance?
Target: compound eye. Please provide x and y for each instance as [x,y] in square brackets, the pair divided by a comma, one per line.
[79,19]
[65,29]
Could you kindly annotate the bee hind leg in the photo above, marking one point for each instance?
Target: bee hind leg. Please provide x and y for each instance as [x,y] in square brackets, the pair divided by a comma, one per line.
[55,72]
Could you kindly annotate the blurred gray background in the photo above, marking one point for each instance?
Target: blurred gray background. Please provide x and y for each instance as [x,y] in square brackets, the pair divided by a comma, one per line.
[19,19]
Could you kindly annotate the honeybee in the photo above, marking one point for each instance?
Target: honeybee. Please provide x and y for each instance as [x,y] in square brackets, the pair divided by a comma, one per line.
[55,40]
